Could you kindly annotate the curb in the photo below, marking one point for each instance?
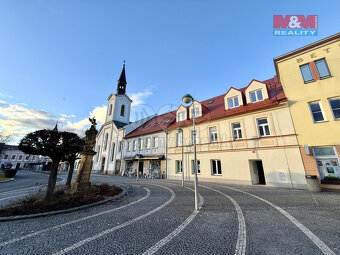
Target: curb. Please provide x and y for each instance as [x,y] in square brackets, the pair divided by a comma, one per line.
[12,179]
[37,215]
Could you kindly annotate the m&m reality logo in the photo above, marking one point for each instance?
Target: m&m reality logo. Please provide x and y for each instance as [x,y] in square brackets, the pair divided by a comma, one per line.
[295,25]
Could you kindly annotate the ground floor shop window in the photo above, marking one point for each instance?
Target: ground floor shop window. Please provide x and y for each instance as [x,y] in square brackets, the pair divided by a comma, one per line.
[216,168]
[328,164]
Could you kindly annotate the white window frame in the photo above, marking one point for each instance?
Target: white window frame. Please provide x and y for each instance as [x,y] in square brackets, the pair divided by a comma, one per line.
[214,161]
[237,129]
[178,164]
[181,116]
[233,102]
[322,111]
[22,157]
[330,106]
[155,142]
[147,143]
[179,136]
[195,111]
[113,151]
[215,136]
[256,96]
[198,166]
[128,146]
[6,156]
[134,145]
[15,157]
[263,126]
[141,143]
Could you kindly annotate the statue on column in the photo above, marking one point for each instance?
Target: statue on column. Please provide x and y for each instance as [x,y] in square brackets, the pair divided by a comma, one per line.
[82,180]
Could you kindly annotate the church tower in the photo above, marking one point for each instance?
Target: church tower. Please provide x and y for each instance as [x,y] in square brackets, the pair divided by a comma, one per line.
[119,104]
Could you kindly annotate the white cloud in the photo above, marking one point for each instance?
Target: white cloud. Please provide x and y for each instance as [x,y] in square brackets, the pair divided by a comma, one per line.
[19,119]
[139,97]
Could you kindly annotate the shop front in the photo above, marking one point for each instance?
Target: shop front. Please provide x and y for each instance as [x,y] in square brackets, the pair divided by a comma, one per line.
[327,161]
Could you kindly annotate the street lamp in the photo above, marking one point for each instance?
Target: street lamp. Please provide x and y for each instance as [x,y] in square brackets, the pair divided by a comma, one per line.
[138,144]
[180,131]
[187,98]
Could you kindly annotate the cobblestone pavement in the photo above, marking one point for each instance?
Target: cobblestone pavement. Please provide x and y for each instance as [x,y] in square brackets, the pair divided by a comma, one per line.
[157,217]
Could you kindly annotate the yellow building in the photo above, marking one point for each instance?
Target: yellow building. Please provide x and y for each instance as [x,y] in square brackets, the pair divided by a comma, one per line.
[310,77]
[245,136]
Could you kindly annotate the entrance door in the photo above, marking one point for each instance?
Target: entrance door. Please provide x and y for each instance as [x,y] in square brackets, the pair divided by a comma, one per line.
[260,172]
[140,167]
[257,173]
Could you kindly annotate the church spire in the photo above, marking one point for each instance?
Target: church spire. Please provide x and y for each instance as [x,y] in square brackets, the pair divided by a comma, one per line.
[121,87]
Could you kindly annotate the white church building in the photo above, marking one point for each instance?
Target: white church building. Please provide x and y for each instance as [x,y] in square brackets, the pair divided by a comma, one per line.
[109,141]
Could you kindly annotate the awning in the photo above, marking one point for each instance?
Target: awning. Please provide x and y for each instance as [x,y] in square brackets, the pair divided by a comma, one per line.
[145,157]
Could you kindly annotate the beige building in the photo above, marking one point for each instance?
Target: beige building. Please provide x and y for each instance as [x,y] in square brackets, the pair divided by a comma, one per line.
[310,77]
[245,136]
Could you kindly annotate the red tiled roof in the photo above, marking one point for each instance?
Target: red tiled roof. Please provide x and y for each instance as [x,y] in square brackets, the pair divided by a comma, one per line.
[216,109]
[157,123]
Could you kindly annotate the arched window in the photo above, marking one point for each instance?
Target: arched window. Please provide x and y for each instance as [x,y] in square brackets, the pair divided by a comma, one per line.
[122,110]
[110,109]
[98,150]
[105,142]
[113,151]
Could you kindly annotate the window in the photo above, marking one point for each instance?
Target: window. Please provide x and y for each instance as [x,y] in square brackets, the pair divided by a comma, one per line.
[213,134]
[322,68]
[105,141]
[307,74]
[316,111]
[20,157]
[110,109]
[134,145]
[122,110]
[141,144]
[128,144]
[113,151]
[6,156]
[211,101]
[335,106]
[179,166]
[233,102]
[155,142]
[147,143]
[237,131]
[28,157]
[119,146]
[168,121]
[192,137]
[179,139]
[216,168]
[256,96]
[324,151]
[98,150]
[193,166]
[13,157]
[263,127]
[195,112]
[181,116]
[33,158]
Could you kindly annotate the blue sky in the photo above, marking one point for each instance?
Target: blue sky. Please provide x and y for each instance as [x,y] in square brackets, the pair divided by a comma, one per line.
[59,60]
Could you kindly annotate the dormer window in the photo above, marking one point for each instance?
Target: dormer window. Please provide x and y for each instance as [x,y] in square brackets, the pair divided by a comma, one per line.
[256,96]
[233,102]
[195,112]
[181,116]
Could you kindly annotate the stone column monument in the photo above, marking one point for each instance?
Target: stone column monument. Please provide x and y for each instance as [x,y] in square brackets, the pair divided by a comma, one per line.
[82,180]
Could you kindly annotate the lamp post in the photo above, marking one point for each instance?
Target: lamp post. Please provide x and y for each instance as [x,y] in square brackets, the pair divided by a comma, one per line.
[138,144]
[187,98]
[180,131]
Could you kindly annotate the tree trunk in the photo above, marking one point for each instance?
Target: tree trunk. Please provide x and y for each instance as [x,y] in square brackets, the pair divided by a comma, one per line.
[52,179]
[70,173]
